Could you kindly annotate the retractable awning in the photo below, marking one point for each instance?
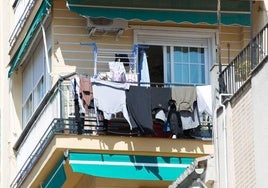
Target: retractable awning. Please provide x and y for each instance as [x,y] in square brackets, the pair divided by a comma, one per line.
[193,11]
[134,167]
[57,177]
[16,60]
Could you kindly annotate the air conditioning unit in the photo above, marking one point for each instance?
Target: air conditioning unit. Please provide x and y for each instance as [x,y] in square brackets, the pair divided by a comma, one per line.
[106,24]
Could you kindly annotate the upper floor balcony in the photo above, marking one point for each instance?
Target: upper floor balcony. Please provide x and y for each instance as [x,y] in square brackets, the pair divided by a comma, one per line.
[239,70]
[61,114]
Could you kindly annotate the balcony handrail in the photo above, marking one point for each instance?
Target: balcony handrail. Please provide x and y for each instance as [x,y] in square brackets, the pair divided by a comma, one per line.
[21,21]
[237,72]
[56,126]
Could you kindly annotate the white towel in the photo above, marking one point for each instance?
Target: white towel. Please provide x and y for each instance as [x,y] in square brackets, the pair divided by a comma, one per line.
[144,70]
[204,99]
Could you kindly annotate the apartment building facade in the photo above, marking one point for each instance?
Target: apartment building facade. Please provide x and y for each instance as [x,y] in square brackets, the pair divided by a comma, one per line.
[50,140]
[241,118]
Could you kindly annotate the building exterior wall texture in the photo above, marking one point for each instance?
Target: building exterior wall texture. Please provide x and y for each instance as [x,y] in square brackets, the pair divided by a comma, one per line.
[242,127]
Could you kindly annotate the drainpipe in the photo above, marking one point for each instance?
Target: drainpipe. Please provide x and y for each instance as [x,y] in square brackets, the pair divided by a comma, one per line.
[45,46]
[225,136]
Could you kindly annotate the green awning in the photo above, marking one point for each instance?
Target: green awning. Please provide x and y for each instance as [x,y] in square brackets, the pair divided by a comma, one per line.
[134,167]
[16,60]
[193,11]
[57,177]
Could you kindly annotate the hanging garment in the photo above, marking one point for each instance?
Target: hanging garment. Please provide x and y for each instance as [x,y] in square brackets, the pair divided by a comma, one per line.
[75,82]
[110,98]
[204,99]
[190,120]
[184,97]
[160,116]
[79,121]
[139,108]
[160,97]
[86,93]
[118,72]
[144,70]
[174,120]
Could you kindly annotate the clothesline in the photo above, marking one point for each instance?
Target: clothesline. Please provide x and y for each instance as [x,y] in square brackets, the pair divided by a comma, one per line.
[111,98]
[70,75]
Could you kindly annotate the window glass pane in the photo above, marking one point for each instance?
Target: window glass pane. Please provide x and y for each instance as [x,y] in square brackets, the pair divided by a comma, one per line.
[202,56]
[194,74]
[39,92]
[181,74]
[27,110]
[38,63]
[185,57]
[33,82]
[203,79]
[189,65]
[194,55]
[197,74]
[27,81]
[168,65]
[181,54]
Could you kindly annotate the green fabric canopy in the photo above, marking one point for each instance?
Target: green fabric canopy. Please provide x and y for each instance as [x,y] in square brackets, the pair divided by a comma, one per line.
[57,177]
[29,36]
[134,167]
[193,11]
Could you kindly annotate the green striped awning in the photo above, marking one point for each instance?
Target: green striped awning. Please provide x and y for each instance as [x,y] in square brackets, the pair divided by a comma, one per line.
[16,60]
[193,11]
[134,167]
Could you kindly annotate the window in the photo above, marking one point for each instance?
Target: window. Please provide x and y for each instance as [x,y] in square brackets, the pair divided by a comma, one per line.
[21,7]
[185,65]
[33,82]
[181,57]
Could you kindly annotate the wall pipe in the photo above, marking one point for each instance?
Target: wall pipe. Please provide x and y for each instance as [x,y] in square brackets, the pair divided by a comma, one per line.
[225,135]
[215,144]
[45,46]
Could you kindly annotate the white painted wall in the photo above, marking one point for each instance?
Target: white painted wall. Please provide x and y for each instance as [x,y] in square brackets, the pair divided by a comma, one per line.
[7,129]
[260,104]
[35,134]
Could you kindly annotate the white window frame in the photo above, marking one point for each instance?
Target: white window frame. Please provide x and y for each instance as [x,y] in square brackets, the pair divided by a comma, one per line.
[43,77]
[27,61]
[20,8]
[168,36]
[173,62]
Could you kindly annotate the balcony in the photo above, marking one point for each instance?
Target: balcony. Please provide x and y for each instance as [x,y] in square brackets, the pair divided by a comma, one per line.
[22,12]
[57,115]
[240,69]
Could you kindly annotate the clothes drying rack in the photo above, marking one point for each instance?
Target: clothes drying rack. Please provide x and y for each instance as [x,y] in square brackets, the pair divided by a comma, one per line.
[102,56]
[129,57]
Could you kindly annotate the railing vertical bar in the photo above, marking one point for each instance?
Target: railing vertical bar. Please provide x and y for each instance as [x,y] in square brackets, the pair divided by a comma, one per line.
[239,69]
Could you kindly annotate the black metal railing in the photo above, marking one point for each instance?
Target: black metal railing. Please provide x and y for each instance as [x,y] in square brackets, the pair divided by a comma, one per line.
[239,70]
[70,126]
[56,126]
